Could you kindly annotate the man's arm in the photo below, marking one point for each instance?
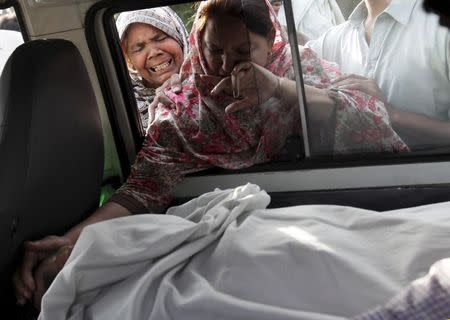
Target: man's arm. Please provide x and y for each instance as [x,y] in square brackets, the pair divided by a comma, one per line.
[422,130]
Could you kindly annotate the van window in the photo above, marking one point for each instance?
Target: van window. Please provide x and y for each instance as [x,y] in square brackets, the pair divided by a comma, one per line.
[285,132]
[10,34]
[351,102]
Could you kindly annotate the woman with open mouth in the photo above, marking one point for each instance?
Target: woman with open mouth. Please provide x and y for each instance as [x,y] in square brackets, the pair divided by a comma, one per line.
[154,43]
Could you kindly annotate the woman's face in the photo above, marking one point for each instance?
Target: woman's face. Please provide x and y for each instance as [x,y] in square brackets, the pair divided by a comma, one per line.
[152,53]
[226,42]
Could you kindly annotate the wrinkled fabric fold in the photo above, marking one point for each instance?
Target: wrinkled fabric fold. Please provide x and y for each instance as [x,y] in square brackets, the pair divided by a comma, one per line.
[134,253]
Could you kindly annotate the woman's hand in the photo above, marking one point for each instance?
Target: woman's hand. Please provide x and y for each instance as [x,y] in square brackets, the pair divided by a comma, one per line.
[369,86]
[173,83]
[24,283]
[250,84]
[47,271]
[320,103]
[366,85]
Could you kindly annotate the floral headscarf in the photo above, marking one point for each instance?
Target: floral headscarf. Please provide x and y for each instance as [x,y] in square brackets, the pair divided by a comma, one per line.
[166,20]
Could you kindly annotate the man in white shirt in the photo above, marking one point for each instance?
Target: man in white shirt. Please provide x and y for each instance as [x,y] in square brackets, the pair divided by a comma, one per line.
[10,40]
[395,50]
[313,17]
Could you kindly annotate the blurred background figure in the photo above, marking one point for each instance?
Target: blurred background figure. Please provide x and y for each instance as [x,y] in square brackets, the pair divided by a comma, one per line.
[313,18]
[8,21]
[10,36]
[276,5]
[386,48]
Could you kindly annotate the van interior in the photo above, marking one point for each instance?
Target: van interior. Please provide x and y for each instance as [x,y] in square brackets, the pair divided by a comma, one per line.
[70,132]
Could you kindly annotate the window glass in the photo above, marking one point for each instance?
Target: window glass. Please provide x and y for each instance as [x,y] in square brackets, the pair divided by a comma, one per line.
[375,83]
[363,78]
[10,34]
[239,92]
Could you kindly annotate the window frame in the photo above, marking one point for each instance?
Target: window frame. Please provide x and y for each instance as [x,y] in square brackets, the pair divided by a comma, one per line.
[311,162]
[19,15]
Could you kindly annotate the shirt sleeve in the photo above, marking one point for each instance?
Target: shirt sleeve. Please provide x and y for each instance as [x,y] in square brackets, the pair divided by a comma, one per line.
[317,20]
[159,167]
[316,45]
[426,298]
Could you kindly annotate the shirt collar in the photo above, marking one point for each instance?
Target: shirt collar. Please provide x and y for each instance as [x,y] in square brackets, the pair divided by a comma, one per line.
[359,14]
[400,10]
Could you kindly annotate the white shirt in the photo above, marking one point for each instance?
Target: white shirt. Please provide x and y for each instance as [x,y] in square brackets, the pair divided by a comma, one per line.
[313,17]
[9,41]
[408,56]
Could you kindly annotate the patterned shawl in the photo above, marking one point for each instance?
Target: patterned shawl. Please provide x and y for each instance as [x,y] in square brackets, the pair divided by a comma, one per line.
[166,20]
[361,122]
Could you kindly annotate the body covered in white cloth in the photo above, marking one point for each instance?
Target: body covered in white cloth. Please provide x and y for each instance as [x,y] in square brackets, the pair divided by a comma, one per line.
[225,256]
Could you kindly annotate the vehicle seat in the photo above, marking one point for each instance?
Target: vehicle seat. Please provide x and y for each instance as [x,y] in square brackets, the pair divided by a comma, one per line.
[51,148]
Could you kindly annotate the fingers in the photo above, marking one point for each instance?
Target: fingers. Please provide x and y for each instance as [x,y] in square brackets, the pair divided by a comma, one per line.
[44,277]
[356,86]
[62,256]
[46,244]
[179,109]
[30,261]
[239,71]
[175,83]
[40,291]
[235,85]
[47,271]
[354,83]
[242,67]
[234,80]
[238,105]
[210,80]
[24,284]
[151,110]
[347,77]
[160,96]
[333,94]
[162,100]
[345,82]
[221,86]
[35,251]
[22,293]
